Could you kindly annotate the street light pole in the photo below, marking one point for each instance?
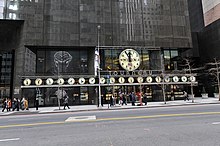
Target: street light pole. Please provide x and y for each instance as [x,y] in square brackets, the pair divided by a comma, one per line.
[162,69]
[98,69]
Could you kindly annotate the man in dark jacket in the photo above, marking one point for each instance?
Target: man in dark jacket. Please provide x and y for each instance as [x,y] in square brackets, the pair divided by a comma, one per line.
[66,102]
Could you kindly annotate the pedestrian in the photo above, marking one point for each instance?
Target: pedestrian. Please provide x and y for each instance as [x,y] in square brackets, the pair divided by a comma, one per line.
[25,104]
[17,104]
[9,104]
[37,102]
[133,96]
[66,102]
[4,104]
[145,98]
[186,97]
[22,103]
[120,99]
[124,99]
[112,100]
[14,104]
[139,95]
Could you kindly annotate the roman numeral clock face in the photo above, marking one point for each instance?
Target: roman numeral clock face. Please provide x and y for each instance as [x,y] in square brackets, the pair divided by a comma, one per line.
[129,59]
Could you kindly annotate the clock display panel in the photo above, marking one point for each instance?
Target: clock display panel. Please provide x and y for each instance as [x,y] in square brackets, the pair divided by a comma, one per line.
[129,59]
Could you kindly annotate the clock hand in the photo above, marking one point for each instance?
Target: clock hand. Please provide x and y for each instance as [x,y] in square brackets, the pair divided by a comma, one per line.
[129,56]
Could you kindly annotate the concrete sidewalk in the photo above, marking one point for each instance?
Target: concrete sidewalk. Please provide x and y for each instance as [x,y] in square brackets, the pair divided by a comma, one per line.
[78,108]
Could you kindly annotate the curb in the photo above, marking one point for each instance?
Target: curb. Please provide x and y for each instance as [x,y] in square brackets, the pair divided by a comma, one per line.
[100,109]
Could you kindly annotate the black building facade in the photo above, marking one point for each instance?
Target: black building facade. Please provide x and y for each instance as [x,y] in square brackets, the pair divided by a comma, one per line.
[206,42]
[52,39]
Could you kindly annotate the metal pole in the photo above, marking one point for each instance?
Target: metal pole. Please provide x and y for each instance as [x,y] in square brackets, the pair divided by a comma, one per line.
[163,86]
[191,83]
[99,75]
[58,98]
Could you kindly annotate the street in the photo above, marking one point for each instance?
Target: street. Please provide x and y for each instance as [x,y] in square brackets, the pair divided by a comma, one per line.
[165,126]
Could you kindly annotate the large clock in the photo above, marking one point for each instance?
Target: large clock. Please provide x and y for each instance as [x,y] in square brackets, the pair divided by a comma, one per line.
[129,59]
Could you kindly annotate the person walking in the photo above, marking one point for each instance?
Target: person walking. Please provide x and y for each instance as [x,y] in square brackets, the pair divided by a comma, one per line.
[18,104]
[4,105]
[24,104]
[186,97]
[133,96]
[112,100]
[66,102]
[14,104]
[145,98]
[120,99]
[9,104]
[124,101]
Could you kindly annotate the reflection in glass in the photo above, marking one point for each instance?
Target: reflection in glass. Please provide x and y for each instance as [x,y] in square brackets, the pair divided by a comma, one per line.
[62,60]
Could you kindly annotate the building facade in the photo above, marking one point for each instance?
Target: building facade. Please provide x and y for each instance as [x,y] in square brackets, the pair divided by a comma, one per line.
[211,10]
[205,22]
[52,39]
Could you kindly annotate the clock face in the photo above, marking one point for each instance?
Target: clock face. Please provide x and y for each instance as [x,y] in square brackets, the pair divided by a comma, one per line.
[129,59]
[167,79]
[27,82]
[130,79]
[102,80]
[60,81]
[112,80]
[175,79]
[49,81]
[158,79]
[82,80]
[38,81]
[192,79]
[121,80]
[92,80]
[71,81]
[149,79]
[184,78]
[140,79]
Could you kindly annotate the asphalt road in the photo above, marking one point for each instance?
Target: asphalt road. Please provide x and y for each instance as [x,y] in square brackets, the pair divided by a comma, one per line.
[166,126]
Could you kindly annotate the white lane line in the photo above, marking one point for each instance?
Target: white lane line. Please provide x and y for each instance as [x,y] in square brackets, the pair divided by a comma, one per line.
[80,118]
[216,123]
[12,139]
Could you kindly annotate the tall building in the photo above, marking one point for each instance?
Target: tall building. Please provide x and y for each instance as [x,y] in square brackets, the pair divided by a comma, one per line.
[206,36]
[51,40]
[196,23]
[211,10]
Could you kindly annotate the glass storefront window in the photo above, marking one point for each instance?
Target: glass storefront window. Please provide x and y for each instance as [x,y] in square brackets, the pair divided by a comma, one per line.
[84,95]
[6,73]
[111,62]
[173,53]
[56,62]
[83,62]
[145,60]
[169,57]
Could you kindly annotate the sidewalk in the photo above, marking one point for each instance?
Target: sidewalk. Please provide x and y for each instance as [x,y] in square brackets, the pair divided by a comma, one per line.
[77,108]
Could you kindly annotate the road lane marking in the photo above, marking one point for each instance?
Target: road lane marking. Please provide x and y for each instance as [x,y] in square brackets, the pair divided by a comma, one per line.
[216,123]
[11,139]
[111,119]
[25,119]
[31,124]
[158,116]
[80,118]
